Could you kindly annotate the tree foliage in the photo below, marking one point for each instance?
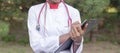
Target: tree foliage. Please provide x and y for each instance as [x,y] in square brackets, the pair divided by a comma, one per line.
[92,8]
[15,11]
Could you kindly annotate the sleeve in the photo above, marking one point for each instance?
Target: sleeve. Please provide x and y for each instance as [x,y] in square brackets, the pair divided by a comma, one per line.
[38,42]
[80,47]
[79,50]
[76,17]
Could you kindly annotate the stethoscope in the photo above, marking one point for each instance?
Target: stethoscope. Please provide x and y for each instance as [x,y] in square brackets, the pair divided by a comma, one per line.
[45,4]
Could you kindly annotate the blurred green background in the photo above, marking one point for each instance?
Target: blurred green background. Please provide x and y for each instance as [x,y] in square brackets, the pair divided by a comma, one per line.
[13,22]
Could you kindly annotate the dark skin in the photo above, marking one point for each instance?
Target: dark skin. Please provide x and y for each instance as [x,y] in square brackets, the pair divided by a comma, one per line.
[75,33]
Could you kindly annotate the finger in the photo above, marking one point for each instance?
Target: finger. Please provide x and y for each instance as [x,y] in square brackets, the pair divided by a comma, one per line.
[77,25]
[72,31]
[76,34]
[80,29]
[84,29]
[75,30]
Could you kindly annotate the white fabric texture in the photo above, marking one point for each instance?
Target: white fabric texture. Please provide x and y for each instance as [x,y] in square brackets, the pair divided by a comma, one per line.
[47,41]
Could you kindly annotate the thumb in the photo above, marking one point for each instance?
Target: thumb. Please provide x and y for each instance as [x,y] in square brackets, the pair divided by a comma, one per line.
[85,27]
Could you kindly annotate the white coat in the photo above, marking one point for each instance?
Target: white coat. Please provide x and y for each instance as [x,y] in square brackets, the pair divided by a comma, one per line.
[47,41]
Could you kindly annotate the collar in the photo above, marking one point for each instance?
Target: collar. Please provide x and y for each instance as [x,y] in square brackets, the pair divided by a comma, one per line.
[54,6]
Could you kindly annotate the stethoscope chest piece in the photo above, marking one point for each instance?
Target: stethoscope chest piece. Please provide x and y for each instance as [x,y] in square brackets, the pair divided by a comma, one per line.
[38,27]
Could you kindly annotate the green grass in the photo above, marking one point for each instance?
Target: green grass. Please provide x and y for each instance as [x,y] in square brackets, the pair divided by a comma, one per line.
[86,40]
[23,41]
[14,48]
[4,28]
[8,38]
[103,38]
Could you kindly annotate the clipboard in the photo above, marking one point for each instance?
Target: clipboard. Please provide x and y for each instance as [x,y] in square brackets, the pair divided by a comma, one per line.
[67,44]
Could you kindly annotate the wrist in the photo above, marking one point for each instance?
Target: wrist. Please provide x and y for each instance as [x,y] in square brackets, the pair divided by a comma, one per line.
[77,41]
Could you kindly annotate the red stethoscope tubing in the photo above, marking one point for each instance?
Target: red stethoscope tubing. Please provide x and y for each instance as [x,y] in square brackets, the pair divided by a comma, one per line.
[45,4]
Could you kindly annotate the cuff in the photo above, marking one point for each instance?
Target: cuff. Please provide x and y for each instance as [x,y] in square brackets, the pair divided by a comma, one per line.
[79,50]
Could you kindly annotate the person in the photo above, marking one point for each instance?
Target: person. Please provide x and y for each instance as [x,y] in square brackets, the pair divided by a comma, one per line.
[51,23]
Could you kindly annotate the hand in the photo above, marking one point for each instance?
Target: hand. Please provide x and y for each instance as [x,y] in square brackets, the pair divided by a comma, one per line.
[76,32]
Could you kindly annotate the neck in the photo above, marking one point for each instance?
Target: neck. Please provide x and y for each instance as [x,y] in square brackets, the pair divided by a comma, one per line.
[53,5]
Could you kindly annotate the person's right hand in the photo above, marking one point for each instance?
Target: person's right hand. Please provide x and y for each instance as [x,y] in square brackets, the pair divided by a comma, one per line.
[76,32]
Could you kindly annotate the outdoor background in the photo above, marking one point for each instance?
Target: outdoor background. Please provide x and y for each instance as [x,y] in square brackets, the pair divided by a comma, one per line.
[104,38]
